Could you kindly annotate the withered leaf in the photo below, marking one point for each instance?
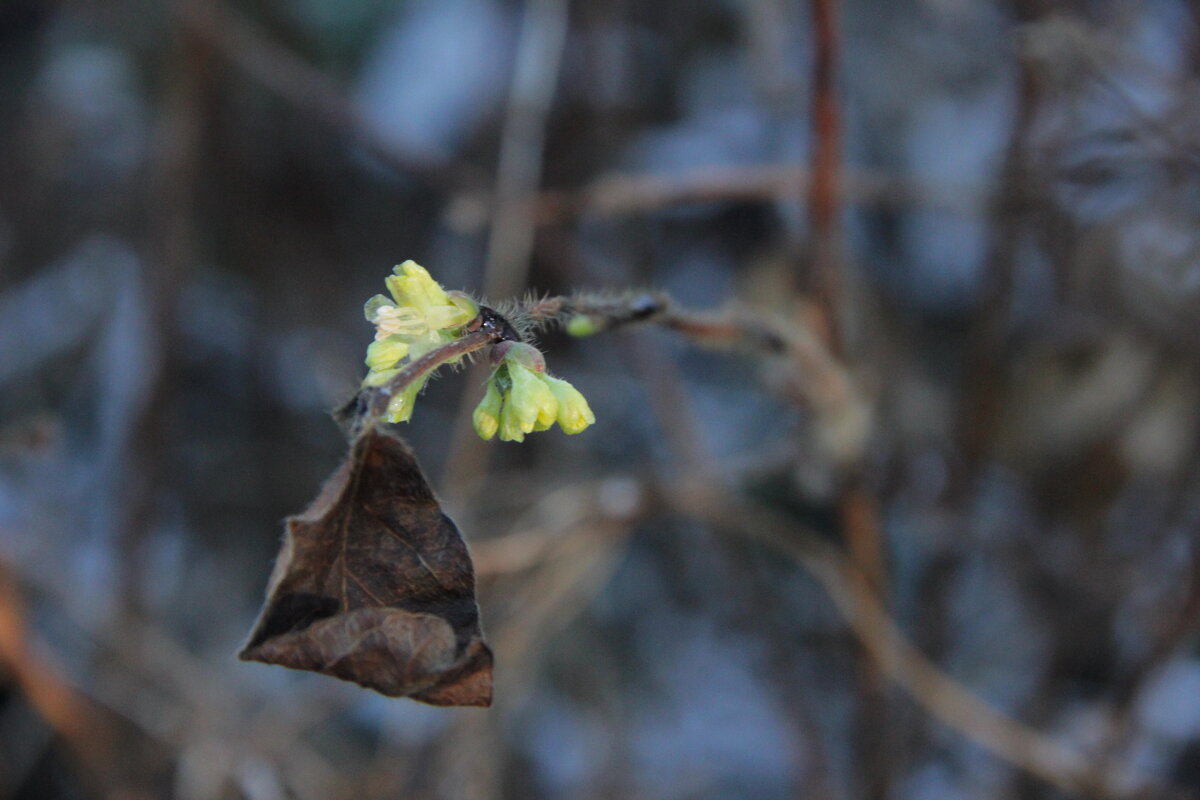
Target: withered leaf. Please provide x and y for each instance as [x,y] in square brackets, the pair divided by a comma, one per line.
[374,585]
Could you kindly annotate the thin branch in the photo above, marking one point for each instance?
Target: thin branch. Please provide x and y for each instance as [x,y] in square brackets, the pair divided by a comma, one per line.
[530,538]
[621,195]
[377,398]
[172,179]
[982,387]
[268,63]
[815,377]
[523,141]
[943,697]
[86,730]
[513,224]
[857,511]
[824,192]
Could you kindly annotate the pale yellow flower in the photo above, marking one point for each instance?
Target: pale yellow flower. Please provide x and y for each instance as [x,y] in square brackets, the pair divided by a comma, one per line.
[521,398]
[419,317]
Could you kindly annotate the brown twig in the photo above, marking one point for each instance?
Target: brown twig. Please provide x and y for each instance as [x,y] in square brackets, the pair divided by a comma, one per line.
[64,709]
[531,538]
[824,192]
[982,389]
[377,398]
[620,195]
[815,376]
[858,515]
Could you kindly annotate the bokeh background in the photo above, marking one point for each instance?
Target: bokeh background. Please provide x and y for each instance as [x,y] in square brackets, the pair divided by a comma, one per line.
[974,222]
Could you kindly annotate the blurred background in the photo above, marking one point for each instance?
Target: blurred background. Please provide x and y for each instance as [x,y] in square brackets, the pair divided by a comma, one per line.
[973,223]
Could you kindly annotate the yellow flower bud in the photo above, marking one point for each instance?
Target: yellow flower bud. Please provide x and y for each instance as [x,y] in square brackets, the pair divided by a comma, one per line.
[419,317]
[414,287]
[582,325]
[574,413]
[458,311]
[487,414]
[465,304]
[400,407]
[379,377]
[510,425]
[547,405]
[449,316]
[530,398]
[386,353]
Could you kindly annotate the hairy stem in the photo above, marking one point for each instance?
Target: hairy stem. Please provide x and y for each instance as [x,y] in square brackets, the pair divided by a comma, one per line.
[377,398]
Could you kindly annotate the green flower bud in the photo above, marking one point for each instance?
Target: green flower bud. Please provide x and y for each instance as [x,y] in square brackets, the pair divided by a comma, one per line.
[427,341]
[574,413]
[530,399]
[520,401]
[400,407]
[523,354]
[545,419]
[379,377]
[582,325]
[510,425]
[442,318]
[487,414]
[386,353]
[413,286]
[468,309]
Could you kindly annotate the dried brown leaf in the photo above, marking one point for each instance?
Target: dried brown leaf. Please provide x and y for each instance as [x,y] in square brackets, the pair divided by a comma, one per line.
[374,585]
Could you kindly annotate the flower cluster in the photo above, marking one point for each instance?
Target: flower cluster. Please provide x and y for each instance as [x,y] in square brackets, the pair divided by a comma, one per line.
[522,398]
[420,316]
